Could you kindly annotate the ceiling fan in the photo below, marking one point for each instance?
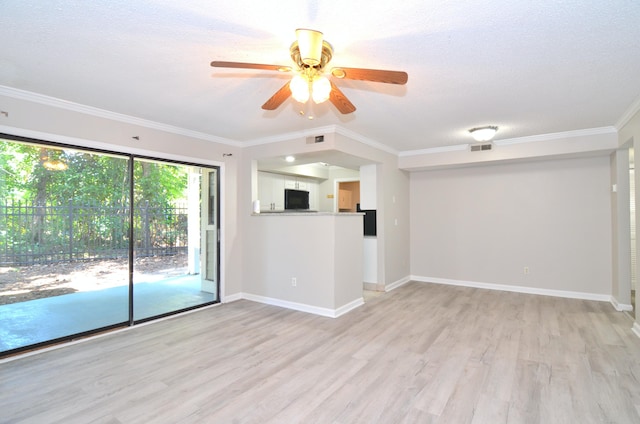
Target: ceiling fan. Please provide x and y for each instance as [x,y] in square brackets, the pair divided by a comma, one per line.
[311,54]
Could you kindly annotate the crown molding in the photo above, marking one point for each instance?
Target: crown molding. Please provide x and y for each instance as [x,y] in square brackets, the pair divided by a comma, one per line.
[106,114]
[92,144]
[365,140]
[512,141]
[318,131]
[102,113]
[556,136]
[290,136]
[628,114]
[433,150]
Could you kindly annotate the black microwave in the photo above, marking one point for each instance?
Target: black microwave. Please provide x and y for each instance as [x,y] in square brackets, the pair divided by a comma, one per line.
[296,199]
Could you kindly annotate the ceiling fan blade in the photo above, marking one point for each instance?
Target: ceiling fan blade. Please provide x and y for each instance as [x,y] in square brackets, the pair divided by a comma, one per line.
[376,75]
[340,101]
[242,65]
[278,98]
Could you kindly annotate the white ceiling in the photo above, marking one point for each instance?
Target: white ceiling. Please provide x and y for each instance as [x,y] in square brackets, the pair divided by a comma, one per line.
[529,67]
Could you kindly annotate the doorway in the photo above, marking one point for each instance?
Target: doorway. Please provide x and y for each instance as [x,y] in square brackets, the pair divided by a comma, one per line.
[180,232]
[348,196]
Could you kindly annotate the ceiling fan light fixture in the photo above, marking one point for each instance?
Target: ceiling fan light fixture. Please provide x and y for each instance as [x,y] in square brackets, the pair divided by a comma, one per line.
[299,88]
[321,89]
[483,133]
[310,45]
[311,54]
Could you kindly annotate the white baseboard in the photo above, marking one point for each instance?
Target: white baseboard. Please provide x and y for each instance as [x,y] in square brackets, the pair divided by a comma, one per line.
[316,310]
[232,298]
[349,307]
[396,284]
[517,289]
[373,286]
[621,307]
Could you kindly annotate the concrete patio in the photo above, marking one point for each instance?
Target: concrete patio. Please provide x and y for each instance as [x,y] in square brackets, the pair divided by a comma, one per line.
[35,321]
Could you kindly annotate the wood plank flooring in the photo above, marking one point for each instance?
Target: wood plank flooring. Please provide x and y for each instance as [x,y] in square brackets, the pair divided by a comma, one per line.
[422,353]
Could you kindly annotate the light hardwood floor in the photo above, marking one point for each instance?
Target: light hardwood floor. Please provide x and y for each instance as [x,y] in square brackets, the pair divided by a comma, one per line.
[420,354]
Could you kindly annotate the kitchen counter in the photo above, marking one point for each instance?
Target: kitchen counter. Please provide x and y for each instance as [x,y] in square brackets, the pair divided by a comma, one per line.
[305,213]
[309,261]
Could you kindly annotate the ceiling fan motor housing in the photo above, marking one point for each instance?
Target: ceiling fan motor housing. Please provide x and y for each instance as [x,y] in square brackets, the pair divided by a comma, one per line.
[325,57]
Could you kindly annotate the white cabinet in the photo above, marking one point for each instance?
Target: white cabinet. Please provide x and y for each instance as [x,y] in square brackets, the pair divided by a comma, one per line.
[312,188]
[271,191]
[297,183]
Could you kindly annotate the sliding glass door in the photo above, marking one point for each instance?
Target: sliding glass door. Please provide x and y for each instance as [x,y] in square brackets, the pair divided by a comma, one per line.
[64,219]
[173,267]
[92,240]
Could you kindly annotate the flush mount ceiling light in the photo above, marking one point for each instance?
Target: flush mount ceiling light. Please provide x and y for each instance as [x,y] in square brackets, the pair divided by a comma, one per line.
[290,159]
[483,133]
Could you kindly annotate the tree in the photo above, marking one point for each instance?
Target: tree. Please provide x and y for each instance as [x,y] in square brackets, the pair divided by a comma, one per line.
[45,176]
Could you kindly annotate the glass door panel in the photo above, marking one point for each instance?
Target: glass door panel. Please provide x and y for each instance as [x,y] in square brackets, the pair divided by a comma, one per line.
[167,239]
[64,220]
[209,278]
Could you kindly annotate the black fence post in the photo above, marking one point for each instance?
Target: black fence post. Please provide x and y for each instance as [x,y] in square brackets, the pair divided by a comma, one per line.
[70,230]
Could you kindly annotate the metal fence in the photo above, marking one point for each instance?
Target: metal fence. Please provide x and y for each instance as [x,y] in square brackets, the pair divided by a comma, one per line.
[36,234]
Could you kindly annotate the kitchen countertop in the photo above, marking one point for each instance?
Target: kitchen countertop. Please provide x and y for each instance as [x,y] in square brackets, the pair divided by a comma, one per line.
[305,213]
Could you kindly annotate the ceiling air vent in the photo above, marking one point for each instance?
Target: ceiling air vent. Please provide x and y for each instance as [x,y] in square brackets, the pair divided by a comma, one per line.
[481,147]
[315,139]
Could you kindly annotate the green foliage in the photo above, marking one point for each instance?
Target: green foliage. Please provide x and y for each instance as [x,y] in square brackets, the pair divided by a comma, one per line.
[159,183]
[89,177]
[16,164]
[55,200]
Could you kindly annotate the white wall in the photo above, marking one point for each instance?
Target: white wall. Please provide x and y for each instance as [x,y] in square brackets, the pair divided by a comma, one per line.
[621,230]
[392,194]
[485,224]
[320,251]
[629,135]
[395,215]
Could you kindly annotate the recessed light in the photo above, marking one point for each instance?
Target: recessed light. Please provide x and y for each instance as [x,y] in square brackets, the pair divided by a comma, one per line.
[290,159]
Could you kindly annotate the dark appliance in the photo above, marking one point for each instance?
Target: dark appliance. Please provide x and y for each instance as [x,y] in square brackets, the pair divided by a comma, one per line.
[296,199]
[369,221]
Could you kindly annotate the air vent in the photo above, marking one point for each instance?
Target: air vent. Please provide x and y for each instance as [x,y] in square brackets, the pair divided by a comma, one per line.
[315,139]
[481,147]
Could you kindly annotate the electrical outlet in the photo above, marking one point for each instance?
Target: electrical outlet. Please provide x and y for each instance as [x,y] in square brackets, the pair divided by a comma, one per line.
[294,281]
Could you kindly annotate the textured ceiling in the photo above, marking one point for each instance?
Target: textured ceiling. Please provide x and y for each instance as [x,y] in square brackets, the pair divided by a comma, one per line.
[529,67]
